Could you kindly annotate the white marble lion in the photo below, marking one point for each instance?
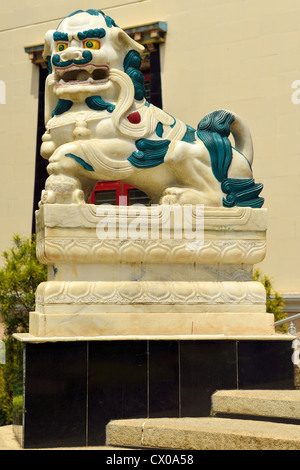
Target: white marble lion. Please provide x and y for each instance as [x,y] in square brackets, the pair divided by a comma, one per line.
[100,127]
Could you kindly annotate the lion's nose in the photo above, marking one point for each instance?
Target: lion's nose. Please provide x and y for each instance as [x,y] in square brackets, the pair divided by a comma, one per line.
[71,53]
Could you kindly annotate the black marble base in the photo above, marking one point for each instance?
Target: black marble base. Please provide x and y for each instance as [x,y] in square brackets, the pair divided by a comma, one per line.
[71,390]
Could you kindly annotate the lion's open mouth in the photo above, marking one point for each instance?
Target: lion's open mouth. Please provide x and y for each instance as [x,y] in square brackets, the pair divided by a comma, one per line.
[83,76]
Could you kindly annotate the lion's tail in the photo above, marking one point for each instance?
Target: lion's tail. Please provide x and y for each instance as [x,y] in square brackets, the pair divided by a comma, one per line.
[242,137]
[214,130]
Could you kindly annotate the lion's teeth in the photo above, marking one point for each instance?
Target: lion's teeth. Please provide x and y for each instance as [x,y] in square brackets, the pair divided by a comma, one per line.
[90,68]
[90,80]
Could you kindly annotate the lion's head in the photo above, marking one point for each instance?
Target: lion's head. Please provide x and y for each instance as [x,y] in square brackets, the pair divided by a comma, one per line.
[81,52]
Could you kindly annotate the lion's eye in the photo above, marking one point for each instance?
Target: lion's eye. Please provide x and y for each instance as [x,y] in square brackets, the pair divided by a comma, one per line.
[91,44]
[61,46]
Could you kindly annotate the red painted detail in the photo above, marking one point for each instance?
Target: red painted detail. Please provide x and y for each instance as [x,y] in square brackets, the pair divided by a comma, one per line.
[134,118]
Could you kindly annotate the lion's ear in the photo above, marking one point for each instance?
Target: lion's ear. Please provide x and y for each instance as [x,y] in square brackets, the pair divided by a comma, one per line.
[48,43]
[121,40]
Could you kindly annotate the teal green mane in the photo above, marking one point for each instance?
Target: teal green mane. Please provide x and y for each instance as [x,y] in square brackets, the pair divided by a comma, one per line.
[214,130]
[131,64]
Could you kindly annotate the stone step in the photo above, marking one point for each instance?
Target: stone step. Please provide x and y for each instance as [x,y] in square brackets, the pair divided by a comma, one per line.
[275,404]
[257,432]
[210,433]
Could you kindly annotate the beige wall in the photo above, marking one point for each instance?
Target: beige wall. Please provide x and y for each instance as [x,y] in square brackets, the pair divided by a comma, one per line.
[242,55]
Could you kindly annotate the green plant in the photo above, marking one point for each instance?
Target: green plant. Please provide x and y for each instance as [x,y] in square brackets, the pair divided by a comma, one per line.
[274,301]
[19,279]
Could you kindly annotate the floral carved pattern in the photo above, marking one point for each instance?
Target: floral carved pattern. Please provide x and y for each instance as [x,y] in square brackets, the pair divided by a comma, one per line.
[58,250]
[150,292]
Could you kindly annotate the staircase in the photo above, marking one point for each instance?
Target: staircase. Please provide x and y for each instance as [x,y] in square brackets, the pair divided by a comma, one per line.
[240,420]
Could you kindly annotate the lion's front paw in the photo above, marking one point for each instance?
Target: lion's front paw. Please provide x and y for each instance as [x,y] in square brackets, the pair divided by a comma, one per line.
[171,196]
[62,189]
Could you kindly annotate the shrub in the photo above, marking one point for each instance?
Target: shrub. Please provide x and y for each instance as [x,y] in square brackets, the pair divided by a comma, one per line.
[274,301]
[19,278]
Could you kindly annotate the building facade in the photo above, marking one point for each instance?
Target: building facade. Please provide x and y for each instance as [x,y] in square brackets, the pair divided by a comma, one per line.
[241,55]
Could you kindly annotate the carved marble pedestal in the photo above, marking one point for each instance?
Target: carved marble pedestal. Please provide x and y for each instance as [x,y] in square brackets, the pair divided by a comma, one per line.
[104,283]
[130,327]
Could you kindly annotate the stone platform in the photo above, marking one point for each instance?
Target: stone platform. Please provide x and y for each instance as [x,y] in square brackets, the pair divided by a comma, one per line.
[127,273]
[142,316]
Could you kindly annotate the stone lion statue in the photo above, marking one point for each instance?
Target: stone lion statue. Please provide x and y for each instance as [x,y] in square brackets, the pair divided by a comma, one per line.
[100,127]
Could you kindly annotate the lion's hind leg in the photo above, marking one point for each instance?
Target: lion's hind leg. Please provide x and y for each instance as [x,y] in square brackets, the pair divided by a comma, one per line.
[185,195]
[195,182]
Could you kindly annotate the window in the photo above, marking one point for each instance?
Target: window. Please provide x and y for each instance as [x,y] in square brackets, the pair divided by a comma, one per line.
[117,193]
